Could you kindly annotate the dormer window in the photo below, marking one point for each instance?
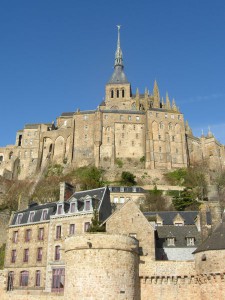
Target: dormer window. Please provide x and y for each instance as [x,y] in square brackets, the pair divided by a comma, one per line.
[73,207]
[44,214]
[88,205]
[31,216]
[19,219]
[134,189]
[171,241]
[121,189]
[190,241]
[59,209]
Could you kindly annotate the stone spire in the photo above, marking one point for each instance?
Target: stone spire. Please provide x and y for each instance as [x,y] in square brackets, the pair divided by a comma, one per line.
[146,93]
[174,107]
[210,134]
[118,54]
[168,106]
[188,129]
[137,93]
[118,75]
[156,93]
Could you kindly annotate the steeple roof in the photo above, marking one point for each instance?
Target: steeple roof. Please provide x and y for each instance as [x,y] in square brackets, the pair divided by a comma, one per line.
[118,75]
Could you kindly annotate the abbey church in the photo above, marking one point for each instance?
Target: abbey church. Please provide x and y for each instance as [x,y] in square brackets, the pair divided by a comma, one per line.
[142,129]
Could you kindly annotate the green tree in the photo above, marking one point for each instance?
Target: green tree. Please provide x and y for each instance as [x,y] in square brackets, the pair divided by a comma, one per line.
[95,224]
[184,199]
[2,256]
[89,177]
[154,201]
[127,178]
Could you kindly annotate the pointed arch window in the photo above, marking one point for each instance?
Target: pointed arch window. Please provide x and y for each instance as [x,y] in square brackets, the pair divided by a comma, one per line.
[123,93]
[117,93]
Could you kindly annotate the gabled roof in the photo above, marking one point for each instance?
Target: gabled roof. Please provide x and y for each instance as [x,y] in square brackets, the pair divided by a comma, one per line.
[168,216]
[180,233]
[215,241]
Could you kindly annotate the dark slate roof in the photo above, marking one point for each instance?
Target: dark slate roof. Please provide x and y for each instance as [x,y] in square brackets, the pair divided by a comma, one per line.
[180,233]
[118,76]
[215,241]
[38,212]
[168,216]
[95,193]
[67,114]
[130,112]
[35,126]
[126,189]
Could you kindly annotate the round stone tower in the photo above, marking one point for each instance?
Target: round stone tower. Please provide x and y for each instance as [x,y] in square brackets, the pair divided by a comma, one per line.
[101,266]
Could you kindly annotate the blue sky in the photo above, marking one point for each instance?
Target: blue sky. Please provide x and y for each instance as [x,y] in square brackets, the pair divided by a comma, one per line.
[56,56]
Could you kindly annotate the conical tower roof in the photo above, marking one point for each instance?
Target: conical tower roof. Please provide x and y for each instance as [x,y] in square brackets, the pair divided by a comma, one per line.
[118,75]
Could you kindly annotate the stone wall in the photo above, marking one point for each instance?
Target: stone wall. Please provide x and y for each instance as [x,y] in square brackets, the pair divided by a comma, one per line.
[101,266]
[4,220]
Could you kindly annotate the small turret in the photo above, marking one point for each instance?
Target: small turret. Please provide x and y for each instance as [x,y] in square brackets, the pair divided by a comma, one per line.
[188,129]
[156,94]
[210,134]
[168,106]
[137,93]
[174,107]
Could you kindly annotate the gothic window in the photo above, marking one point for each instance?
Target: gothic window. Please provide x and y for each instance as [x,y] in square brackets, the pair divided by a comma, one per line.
[117,93]
[133,106]
[10,155]
[112,94]
[123,93]
[161,125]
[170,127]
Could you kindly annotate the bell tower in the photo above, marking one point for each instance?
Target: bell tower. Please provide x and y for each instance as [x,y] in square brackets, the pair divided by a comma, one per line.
[118,87]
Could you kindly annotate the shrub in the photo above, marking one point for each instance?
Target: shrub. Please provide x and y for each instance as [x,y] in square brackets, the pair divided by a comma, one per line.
[127,178]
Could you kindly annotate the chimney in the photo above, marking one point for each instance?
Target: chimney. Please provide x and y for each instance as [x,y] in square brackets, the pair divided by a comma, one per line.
[214,206]
[23,202]
[66,191]
[203,221]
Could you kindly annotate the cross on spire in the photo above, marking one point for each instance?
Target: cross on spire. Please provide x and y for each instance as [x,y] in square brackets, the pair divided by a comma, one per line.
[119,54]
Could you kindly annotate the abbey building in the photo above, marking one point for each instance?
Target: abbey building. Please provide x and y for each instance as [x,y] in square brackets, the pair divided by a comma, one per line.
[142,129]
